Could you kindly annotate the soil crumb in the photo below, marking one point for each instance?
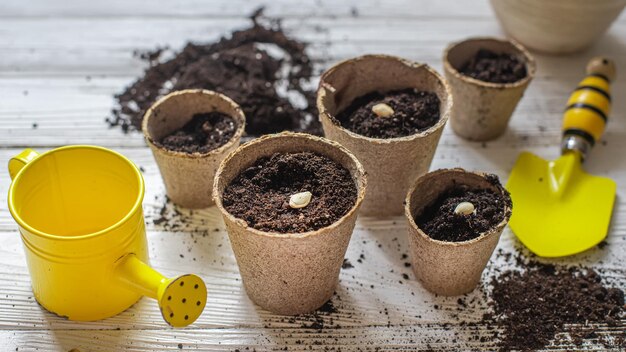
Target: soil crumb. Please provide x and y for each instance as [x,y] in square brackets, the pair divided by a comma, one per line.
[440,222]
[346,264]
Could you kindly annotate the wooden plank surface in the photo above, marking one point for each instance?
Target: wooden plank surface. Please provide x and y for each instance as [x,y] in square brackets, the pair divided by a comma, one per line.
[60,64]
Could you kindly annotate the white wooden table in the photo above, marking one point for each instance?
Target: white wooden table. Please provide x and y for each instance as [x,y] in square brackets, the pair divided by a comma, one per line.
[60,64]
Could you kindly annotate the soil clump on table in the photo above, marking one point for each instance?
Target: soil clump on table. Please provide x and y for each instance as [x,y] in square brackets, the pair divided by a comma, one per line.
[534,305]
[260,68]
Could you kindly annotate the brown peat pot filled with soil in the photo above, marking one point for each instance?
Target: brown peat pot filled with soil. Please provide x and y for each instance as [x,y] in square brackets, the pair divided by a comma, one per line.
[390,113]
[488,77]
[190,132]
[290,203]
[455,221]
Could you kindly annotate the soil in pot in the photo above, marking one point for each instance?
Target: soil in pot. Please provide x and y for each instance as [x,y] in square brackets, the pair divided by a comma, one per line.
[393,114]
[203,133]
[488,66]
[461,213]
[269,195]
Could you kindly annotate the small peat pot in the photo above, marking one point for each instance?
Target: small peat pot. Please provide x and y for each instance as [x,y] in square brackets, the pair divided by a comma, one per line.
[190,132]
[290,203]
[455,221]
[390,113]
[557,26]
[488,77]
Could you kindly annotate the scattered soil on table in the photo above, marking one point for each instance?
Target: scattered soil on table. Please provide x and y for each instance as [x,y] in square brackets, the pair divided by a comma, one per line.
[240,67]
[489,66]
[440,222]
[203,133]
[533,306]
[413,112]
[260,194]
[312,324]
[517,291]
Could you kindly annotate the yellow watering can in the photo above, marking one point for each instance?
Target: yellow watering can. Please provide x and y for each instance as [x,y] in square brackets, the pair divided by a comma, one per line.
[80,217]
[559,208]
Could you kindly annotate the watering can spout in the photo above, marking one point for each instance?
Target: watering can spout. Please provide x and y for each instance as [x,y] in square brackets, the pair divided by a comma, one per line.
[181,299]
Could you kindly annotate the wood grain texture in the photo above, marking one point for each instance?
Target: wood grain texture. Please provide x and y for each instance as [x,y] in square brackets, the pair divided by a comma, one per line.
[62,62]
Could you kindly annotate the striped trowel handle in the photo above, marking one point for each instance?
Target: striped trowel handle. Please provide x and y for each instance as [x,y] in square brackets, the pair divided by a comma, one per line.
[588,107]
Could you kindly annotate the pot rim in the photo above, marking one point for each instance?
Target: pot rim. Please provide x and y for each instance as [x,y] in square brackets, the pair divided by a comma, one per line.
[529,62]
[483,236]
[444,113]
[137,205]
[359,177]
[239,116]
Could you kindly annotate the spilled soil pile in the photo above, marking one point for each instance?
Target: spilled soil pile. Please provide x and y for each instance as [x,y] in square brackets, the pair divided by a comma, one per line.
[239,66]
[533,306]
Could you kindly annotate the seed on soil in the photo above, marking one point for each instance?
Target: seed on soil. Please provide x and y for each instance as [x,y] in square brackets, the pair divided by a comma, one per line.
[371,114]
[382,110]
[464,208]
[300,200]
[440,221]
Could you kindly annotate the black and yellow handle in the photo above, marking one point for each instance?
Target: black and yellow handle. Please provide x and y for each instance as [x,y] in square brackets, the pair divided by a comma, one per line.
[588,107]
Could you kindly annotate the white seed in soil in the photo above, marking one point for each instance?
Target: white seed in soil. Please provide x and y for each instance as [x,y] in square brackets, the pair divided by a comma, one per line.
[464,208]
[300,200]
[382,110]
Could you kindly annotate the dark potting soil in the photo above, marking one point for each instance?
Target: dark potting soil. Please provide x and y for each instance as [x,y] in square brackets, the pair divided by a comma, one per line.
[413,112]
[533,306]
[203,133]
[489,66]
[238,66]
[440,222]
[346,264]
[260,194]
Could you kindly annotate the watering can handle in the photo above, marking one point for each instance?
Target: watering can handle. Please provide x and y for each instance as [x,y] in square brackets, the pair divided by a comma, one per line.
[181,299]
[17,162]
[588,108]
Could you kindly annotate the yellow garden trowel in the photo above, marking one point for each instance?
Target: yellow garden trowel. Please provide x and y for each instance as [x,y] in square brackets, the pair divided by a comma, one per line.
[559,209]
